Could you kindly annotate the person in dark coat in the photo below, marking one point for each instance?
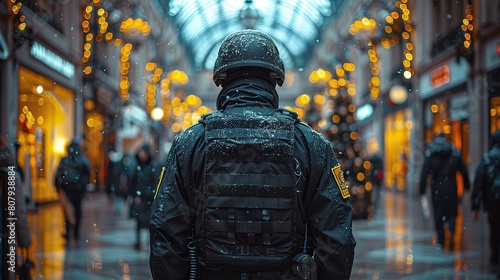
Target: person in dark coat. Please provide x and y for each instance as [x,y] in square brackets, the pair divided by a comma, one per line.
[487,192]
[377,177]
[71,180]
[245,162]
[442,162]
[143,188]
[117,179]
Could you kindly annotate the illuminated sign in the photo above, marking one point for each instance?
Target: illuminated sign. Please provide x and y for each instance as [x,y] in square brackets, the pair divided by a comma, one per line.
[53,60]
[440,76]
[364,112]
[498,49]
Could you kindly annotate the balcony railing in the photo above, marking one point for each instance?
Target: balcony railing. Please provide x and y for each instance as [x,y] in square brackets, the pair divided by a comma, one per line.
[451,39]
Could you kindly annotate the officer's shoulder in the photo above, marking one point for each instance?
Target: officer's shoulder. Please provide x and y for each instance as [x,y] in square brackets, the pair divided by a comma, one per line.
[203,119]
[289,113]
[194,131]
[312,135]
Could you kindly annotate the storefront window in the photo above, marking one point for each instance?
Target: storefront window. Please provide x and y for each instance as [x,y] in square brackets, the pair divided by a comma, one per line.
[94,143]
[397,149]
[494,114]
[45,128]
[450,116]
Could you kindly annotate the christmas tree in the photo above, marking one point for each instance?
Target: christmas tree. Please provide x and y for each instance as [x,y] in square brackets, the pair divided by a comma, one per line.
[332,113]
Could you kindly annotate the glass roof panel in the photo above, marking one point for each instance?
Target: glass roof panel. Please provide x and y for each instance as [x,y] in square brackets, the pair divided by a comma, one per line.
[294,24]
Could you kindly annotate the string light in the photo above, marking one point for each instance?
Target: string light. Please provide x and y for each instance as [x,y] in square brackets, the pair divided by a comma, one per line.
[87,46]
[362,25]
[467,26]
[406,36]
[374,82]
[16,10]
[151,87]
[125,65]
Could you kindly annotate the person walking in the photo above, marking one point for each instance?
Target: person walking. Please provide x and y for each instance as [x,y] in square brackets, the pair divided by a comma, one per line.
[71,179]
[377,177]
[250,191]
[143,188]
[487,192]
[442,162]
[117,180]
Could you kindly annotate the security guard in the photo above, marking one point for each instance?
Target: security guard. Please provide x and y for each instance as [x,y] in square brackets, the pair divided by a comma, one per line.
[251,192]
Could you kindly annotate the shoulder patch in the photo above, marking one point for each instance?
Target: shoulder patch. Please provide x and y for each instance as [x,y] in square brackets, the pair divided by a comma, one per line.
[159,181]
[338,174]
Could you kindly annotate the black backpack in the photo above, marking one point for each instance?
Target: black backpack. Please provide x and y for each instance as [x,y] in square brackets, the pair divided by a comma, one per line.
[248,215]
[71,176]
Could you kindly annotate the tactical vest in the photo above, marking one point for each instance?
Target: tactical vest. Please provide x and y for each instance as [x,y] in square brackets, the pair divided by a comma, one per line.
[248,215]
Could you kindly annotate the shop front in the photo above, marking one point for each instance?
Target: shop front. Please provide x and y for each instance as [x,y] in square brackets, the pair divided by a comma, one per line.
[493,80]
[46,114]
[397,148]
[46,126]
[448,113]
[94,143]
[494,90]
[446,107]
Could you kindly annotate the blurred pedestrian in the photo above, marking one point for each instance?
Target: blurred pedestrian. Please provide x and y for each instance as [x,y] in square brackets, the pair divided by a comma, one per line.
[143,187]
[71,180]
[11,186]
[250,191]
[442,161]
[376,177]
[117,180]
[487,192]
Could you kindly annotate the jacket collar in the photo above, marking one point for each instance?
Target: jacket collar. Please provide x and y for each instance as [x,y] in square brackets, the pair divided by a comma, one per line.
[251,91]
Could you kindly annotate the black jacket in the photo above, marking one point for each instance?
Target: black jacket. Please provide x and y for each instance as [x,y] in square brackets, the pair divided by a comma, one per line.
[328,214]
[143,186]
[482,184]
[442,162]
[74,160]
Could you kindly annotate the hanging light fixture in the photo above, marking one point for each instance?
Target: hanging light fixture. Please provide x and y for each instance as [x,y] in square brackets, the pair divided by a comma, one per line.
[249,15]
[134,27]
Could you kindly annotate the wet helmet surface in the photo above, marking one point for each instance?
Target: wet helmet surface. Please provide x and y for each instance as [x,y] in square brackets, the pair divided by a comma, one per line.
[248,49]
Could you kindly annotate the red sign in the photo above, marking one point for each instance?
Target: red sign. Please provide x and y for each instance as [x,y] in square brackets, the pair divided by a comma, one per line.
[498,49]
[440,76]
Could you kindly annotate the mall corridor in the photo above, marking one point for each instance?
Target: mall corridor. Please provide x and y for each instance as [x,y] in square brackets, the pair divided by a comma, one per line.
[396,244]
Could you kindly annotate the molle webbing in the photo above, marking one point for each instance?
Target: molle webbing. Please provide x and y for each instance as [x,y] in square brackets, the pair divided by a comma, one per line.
[249,202]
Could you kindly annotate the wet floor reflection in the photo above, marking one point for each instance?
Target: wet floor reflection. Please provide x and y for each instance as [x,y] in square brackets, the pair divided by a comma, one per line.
[396,244]
[46,233]
[104,251]
[399,243]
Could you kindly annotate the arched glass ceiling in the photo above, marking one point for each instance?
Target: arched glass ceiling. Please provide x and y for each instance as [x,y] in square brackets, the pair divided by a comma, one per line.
[294,24]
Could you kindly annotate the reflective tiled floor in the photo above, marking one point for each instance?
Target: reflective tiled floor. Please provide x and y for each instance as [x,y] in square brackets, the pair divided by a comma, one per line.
[396,244]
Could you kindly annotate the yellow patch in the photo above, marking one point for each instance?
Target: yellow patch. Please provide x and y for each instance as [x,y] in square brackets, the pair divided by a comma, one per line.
[159,182]
[338,174]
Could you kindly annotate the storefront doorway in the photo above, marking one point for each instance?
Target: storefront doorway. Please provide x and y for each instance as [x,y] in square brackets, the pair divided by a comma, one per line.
[45,127]
[397,148]
[449,114]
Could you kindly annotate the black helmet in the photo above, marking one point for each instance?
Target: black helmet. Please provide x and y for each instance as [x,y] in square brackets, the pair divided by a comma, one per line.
[248,48]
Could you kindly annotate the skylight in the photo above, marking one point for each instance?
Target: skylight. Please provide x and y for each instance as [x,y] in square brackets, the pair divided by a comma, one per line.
[294,24]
